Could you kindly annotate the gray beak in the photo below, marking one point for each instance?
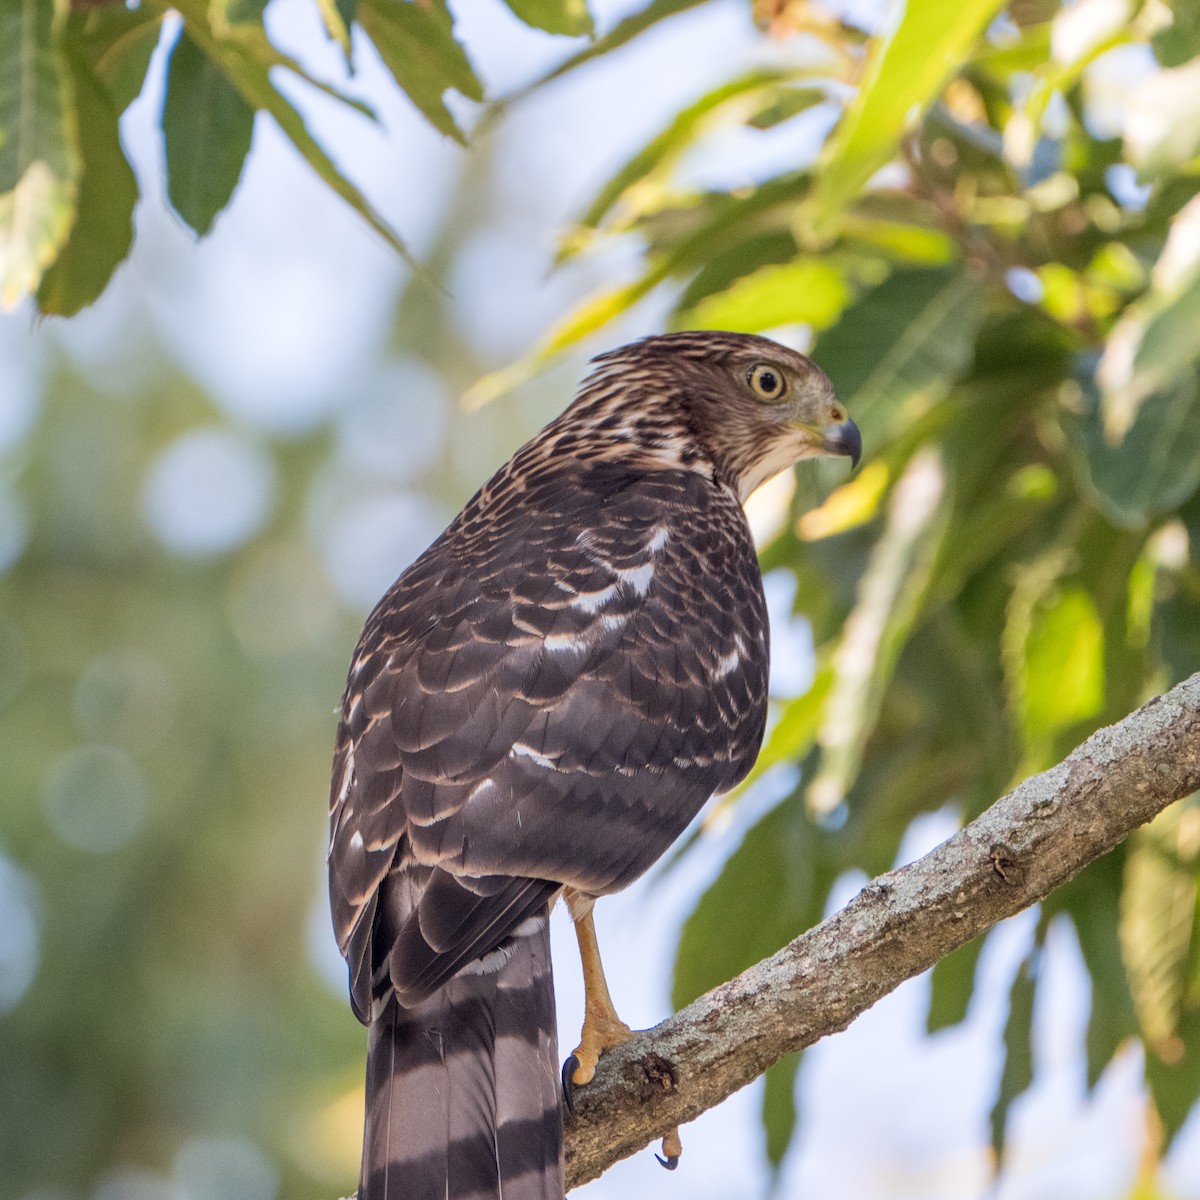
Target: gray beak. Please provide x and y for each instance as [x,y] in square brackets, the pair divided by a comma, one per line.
[844,438]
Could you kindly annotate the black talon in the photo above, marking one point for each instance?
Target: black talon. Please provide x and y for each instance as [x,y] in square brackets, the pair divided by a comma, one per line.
[669,1163]
[568,1082]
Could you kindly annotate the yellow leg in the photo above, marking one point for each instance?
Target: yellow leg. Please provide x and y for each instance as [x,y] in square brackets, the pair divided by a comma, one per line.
[602,1028]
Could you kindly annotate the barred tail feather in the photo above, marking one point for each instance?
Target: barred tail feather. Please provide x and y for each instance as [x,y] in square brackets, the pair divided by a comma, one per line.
[462,1089]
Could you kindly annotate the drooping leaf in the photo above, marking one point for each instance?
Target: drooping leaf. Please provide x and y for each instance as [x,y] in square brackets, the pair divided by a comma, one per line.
[118,43]
[207,126]
[772,888]
[779,1107]
[952,984]
[907,69]
[39,164]
[103,229]
[416,42]
[567,17]
[247,60]
[807,291]
[1175,1083]
[1158,917]
[902,346]
[888,602]
[1091,901]
[1018,1049]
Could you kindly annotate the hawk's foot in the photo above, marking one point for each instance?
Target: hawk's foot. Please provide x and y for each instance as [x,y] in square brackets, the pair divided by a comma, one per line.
[672,1148]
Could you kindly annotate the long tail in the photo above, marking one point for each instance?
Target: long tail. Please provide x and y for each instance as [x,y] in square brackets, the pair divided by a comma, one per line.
[462,1090]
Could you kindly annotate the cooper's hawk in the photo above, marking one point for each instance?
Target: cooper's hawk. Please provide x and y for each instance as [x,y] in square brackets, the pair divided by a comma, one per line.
[539,704]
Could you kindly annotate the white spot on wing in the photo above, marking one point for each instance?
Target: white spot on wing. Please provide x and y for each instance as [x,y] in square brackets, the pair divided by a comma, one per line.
[638,578]
[594,601]
[566,643]
[520,750]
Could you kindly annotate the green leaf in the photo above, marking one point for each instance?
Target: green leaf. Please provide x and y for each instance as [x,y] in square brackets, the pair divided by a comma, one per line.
[1180,41]
[779,1107]
[118,43]
[899,350]
[247,60]
[905,74]
[39,165]
[103,229]
[952,984]
[1054,649]
[1175,1084]
[568,17]
[806,291]
[1158,917]
[886,608]
[1091,900]
[1018,1049]
[1153,467]
[773,887]
[416,43]
[207,127]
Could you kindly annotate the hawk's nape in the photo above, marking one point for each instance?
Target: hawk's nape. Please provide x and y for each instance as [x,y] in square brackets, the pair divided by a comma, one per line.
[539,704]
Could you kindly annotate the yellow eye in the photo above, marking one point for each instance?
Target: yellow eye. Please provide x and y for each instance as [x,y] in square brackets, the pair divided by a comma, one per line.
[768,382]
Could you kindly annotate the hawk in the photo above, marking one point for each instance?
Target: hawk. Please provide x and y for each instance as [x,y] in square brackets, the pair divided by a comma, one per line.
[538,706]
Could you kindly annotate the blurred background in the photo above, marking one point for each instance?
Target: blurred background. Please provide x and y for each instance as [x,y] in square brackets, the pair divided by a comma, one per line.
[209,476]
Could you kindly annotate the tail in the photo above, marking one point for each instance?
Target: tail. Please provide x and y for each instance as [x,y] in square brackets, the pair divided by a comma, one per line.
[462,1089]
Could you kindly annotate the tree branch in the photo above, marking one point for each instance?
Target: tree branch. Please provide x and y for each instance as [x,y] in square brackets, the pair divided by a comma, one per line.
[1028,843]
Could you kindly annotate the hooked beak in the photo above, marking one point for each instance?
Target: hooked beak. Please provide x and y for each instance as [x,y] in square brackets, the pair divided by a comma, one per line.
[844,438]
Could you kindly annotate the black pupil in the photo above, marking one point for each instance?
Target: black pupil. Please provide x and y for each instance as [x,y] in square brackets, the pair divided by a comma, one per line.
[768,382]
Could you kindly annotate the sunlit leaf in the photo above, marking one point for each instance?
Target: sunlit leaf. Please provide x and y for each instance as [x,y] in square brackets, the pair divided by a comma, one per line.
[103,229]
[207,126]
[568,17]
[807,291]
[888,601]
[416,42]
[908,66]
[38,160]
[1064,662]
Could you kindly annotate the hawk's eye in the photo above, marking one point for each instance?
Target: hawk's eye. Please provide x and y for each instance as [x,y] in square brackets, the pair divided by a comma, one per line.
[768,382]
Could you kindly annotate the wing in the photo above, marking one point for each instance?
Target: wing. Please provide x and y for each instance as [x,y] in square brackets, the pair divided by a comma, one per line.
[546,697]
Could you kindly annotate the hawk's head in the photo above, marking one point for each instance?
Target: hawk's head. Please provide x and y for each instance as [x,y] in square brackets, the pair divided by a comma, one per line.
[745,404]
